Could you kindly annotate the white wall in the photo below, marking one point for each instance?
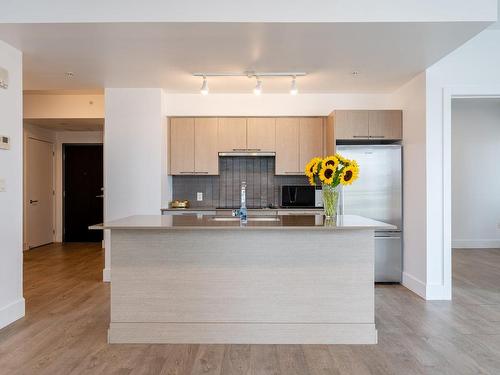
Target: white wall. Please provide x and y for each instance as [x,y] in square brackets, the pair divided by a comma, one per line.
[134,155]
[271,104]
[411,98]
[245,11]
[472,67]
[475,178]
[63,106]
[11,201]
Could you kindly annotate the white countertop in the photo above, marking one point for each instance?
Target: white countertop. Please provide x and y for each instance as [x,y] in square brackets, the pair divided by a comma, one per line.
[275,222]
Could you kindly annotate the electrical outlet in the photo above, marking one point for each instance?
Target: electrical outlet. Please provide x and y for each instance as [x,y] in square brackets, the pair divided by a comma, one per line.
[199,196]
[2,185]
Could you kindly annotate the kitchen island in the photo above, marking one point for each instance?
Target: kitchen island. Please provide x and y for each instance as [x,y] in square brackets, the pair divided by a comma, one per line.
[283,279]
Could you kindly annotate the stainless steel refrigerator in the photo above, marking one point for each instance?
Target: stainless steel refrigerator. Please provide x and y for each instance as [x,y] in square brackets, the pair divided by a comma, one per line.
[377,194]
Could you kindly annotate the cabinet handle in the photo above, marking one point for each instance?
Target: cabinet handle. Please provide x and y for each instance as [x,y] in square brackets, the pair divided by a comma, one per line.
[187,172]
[293,172]
[253,149]
[361,136]
[239,149]
[201,172]
[377,136]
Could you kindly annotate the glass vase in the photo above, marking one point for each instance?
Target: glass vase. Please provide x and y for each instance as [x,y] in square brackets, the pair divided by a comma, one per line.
[331,201]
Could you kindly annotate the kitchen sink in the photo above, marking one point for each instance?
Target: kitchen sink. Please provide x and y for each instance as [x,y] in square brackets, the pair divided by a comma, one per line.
[259,218]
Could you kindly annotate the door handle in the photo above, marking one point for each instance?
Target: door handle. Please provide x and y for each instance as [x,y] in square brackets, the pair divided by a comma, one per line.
[32,201]
[100,196]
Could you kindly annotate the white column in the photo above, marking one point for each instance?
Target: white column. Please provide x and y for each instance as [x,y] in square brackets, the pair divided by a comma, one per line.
[134,156]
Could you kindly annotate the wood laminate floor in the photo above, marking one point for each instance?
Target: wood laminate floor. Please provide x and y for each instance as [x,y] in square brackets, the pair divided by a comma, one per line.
[67,314]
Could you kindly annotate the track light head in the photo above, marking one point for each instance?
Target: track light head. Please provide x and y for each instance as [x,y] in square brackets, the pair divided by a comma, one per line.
[258,87]
[204,87]
[294,89]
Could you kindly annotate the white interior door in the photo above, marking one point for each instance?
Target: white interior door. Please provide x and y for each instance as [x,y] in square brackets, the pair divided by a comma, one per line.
[40,179]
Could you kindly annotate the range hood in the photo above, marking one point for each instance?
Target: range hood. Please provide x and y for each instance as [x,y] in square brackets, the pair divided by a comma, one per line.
[247,153]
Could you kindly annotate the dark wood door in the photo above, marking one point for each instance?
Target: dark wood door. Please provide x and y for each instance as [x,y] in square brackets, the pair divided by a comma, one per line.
[83,195]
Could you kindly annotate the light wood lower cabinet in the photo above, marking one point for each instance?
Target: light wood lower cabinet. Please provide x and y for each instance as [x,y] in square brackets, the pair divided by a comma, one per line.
[287,146]
[206,156]
[182,145]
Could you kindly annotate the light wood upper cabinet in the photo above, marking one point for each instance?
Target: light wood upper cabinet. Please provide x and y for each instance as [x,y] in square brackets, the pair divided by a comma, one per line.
[330,135]
[287,146]
[311,139]
[351,124]
[232,134]
[372,125]
[386,125]
[181,146]
[261,133]
[206,156]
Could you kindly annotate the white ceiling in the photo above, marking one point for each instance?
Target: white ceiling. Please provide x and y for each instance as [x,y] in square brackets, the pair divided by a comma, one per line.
[165,54]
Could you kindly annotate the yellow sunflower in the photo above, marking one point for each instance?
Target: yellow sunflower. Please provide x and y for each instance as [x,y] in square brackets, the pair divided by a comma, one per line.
[331,161]
[327,174]
[349,174]
[312,167]
[312,182]
[341,159]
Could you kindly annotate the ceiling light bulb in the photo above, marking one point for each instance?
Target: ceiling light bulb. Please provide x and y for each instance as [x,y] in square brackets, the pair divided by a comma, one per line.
[204,87]
[258,87]
[293,89]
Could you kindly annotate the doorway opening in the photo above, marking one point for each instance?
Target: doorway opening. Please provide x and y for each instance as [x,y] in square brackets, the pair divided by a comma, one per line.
[475,199]
[83,192]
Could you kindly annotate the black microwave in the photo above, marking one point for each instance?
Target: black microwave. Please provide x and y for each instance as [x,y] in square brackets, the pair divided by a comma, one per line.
[298,196]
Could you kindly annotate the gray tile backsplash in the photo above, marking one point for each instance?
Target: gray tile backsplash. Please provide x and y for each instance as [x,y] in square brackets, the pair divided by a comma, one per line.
[263,187]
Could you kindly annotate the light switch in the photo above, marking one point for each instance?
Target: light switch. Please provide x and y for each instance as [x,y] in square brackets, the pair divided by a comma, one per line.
[199,196]
[4,142]
[2,185]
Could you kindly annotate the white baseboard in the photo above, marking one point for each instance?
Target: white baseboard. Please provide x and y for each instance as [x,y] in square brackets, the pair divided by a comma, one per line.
[415,285]
[475,244]
[106,275]
[12,312]
[429,292]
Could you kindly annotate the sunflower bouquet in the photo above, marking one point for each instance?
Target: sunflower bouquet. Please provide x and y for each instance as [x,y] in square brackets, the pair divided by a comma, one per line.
[331,172]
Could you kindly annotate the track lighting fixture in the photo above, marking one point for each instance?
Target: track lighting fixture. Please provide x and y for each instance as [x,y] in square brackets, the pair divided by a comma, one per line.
[252,74]
[204,87]
[293,89]
[258,87]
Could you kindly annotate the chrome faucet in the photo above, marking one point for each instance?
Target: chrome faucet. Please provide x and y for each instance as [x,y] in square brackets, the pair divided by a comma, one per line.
[243,206]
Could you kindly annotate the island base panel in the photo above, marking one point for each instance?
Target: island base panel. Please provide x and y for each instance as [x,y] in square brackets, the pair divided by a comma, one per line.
[241,333]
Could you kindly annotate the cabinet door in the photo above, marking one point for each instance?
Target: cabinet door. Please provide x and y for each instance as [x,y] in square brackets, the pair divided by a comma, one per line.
[386,124]
[351,125]
[206,157]
[261,133]
[287,146]
[311,139]
[181,146]
[232,134]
